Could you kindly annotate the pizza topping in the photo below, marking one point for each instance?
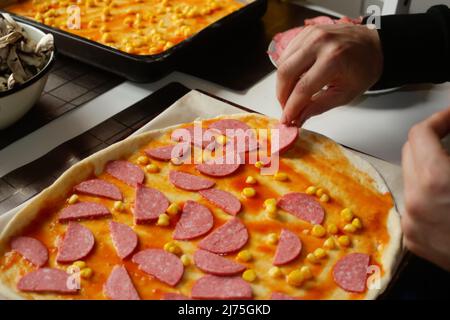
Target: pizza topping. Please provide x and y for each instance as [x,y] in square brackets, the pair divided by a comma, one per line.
[288,249]
[78,242]
[152,168]
[204,139]
[312,258]
[73,199]
[229,127]
[223,199]
[287,138]
[302,206]
[295,278]
[173,209]
[142,160]
[230,237]
[218,169]
[99,188]
[189,182]
[167,153]
[346,214]
[83,210]
[350,228]
[185,260]
[244,256]
[126,172]
[344,241]
[215,264]
[250,180]
[47,280]
[311,190]
[272,239]
[275,272]
[280,296]
[173,247]
[281,176]
[329,243]
[332,229]
[150,204]
[350,272]
[320,253]
[161,264]
[226,288]
[174,296]
[248,192]
[243,139]
[196,220]
[357,223]
[31,249]
[119,285]
[318,231]
[306,272]
[163,220]
[124,239]
[249,275]
[119,206]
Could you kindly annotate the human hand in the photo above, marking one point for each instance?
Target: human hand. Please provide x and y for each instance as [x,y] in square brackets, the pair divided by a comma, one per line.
[346,58]
[426,171]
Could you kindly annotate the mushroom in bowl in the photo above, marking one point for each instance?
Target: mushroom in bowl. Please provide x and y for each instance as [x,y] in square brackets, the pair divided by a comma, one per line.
[26,57]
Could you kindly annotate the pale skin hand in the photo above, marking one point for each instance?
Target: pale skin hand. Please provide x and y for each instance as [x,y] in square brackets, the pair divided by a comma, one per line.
[346,58]
[426,170]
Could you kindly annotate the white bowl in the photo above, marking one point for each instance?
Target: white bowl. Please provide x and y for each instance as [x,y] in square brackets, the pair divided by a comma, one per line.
[15,103]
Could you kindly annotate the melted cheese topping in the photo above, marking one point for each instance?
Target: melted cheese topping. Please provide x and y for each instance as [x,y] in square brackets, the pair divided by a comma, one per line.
[142,27]
[312,161]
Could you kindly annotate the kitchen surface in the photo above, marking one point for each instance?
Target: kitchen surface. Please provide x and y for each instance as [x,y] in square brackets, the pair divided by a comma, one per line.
[85,108]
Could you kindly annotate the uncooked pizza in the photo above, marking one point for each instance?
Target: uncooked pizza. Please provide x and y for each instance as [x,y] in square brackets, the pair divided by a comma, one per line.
[235,207]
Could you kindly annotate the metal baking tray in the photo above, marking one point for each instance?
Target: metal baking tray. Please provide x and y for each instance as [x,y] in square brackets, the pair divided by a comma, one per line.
[148,68]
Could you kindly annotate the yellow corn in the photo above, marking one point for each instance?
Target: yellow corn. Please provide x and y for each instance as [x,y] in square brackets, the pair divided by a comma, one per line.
[311,258]
[185,260]
[272,211]
[350,228]
[152,168]
[73,199]
[295,278]
[329,243]
[318,231]
[92,24]
[176,161]
[270,202]
[244,256]
[249,275]
[259,164]
[119,206]
[163,220]
[311,190]
[143,160]
[221,139]
[272,239]
[280,176]
[357,223]
[275,272]
[172,247]
[86,273]
[173,209]
[79,264]
[332,228]
[306,272]
[319,192]
[324,198]
[344,241]
[250,180]
[347,215]
[320,253]
[248,192]
[106,37]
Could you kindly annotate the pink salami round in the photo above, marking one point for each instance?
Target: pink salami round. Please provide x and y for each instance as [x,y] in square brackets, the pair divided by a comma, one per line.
[302,206]
[163,265]
[288,249]
[320,20]
[195,221]
[229,127]
[78,242]
[214,264]
[119,285]
[99,188]
[223,199]
[350,272]
[228,238]
[167,152]
[189,182]
[201,140]
[31,249]
[174,296]
[47,280]
[126,172]
[224,288]
[280,296]
[287,138]
[83,210]
[150,203]
[218,169]
[124,239]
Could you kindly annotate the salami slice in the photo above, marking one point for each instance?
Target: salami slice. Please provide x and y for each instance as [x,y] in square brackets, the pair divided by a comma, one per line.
[124,239]
[31,249]
[224,288]
[289,248]
[282,40]
[174,296]
[47,280]
[119,285]
[214,264]
[83,210]
[163,265]
[99,188]
[320,20]
[189,182]
[228,238]
[287,138]
[196,220]
[126,172]
[218,169]
[150,203]
[203,140]
[167,152]
[280,296]
[350,272]
[302,206]
[78,242]
[229,127]
[223,199]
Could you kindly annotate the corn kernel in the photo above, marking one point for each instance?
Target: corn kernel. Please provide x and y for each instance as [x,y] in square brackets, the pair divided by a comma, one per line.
[275,272]
[272,238]
[245,256]
[142,160]
[73,199]
[311,258]
[259,164]
[280,176]
[347,215]
[344,241]
[249,275]
[350,228]
[92,24]
[295,278]
[319,192]
[152,168]
[250,180]
[185,260]
[329,243]
[119,206]
[270,202]
[357,223]
[320,253]
[106,37]
[173,209]
[163,220]
[311,190]
[176,161]
[86,273]
[221,139]
[324,198]
[332,228]
[172,247]
[318,231]
[79,264]
[248,192]
[306,272]
[271,211]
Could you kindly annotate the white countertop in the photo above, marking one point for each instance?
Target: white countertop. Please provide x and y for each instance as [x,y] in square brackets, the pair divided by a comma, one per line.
[376,125]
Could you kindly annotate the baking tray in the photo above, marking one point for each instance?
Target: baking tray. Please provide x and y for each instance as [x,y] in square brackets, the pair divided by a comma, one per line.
[148,68]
